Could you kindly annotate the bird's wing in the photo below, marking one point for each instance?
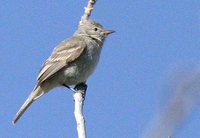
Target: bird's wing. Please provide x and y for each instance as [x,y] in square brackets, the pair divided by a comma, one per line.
[66,52]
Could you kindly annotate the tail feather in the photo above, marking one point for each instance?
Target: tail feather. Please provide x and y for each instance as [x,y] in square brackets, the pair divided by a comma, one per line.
[37,91]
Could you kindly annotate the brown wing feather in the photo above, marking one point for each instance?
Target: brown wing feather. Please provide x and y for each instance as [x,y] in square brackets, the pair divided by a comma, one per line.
[64,53]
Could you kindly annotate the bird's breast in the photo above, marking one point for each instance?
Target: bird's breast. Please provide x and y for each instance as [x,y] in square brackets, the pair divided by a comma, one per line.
[84,66]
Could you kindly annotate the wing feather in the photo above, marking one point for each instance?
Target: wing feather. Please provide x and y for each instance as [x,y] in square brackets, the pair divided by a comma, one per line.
[66,52]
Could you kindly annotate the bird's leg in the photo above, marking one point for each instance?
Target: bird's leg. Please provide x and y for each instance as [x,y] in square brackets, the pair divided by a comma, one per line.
[81,87]
[72,89]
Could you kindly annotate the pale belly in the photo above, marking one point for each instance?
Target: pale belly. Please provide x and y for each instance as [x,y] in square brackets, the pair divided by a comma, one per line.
[79,70]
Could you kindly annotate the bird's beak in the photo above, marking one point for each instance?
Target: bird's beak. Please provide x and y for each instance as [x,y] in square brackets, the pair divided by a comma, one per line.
[107,32]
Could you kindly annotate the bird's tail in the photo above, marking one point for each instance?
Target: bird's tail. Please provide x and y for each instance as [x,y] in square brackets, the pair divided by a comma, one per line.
[37,92]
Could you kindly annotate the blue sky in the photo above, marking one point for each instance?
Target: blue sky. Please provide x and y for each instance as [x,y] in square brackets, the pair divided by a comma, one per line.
[126,90]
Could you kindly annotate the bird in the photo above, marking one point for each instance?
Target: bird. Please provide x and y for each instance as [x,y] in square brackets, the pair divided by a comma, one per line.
[70,63]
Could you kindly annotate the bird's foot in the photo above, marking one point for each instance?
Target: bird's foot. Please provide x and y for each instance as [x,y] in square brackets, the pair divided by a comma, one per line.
[81,87]
[72,89]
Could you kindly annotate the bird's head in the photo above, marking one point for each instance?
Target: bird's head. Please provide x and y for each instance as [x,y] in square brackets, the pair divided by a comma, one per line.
[93,30]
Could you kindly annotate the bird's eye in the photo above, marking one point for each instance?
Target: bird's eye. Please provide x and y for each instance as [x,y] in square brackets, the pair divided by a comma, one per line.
[95,29]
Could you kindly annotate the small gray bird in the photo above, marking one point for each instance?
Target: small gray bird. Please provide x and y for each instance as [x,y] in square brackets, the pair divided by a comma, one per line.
[70,63]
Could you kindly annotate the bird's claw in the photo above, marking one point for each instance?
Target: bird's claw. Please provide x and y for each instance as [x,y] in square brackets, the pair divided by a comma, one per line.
[82,87]
[72,89]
